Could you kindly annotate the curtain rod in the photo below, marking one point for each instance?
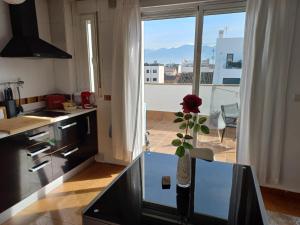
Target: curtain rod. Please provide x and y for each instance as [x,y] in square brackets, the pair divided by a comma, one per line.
[18,83]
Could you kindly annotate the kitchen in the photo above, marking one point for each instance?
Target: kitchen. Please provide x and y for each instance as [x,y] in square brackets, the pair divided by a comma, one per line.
[48,126]
[69,123]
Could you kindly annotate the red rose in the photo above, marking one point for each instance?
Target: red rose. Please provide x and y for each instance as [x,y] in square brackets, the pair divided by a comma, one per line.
[191,103]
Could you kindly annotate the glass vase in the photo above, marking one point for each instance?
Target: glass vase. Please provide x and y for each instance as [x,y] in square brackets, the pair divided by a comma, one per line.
[183,175]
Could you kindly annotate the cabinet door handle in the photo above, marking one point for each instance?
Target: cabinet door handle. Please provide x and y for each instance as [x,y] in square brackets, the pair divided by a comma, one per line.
[39,135]
[88,122]
[67,126]
[39,166]
[70,152]
[32,154]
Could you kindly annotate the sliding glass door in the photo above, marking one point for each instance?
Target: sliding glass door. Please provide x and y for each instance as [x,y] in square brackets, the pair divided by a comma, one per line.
[168,76]
[200,54]
[219,81]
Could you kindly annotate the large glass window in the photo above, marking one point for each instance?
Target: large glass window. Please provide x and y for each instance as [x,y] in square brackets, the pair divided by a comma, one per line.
[170,50]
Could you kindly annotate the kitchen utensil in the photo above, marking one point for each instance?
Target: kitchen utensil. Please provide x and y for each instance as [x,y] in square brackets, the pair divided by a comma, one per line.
[9,94]
[19,108]
[11,108]
[10,103]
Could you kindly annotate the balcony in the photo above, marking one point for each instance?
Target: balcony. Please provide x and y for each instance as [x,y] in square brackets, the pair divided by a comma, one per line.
[162,100]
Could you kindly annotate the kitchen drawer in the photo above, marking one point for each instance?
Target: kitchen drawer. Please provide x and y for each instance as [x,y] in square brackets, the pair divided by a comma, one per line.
[37,175]
[38,151]
[66,132]
[65,159]
[38,136]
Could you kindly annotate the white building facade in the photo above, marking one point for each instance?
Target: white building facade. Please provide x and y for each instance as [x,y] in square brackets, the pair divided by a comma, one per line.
[229,59]
[154,73]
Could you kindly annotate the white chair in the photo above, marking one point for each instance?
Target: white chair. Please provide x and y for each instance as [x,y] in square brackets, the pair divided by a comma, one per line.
[216,121]
[202,153]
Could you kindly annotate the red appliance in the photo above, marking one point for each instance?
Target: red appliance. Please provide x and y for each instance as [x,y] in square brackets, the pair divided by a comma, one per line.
[85,99]
[55,101]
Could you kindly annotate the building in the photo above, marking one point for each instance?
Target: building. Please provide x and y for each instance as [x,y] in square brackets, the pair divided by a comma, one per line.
[187,67]
[228,65]
[172,69]
[154,72]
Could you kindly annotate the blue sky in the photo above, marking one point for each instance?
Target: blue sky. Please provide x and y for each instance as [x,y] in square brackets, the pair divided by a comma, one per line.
[170,33]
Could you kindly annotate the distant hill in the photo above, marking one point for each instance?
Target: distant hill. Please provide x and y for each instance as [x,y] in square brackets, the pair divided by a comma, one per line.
[176,55]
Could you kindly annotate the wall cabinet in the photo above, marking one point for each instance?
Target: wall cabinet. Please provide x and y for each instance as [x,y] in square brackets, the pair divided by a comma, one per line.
[31,160]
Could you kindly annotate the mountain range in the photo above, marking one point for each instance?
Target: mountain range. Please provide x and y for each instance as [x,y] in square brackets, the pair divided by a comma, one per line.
[177,55]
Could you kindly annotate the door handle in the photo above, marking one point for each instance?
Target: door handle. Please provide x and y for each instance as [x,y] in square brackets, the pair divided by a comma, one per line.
[39,166]
[67,126]
[70,152]
[32,154]
[39,135]
[88,122]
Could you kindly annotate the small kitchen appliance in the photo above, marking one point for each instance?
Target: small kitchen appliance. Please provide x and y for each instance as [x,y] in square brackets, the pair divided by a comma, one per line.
[85,100]
[55,101]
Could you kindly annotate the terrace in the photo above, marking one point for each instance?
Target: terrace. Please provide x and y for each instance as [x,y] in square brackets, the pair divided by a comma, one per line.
[162,100]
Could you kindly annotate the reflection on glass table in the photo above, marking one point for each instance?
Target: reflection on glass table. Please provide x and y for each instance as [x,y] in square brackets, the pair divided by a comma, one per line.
[220,193]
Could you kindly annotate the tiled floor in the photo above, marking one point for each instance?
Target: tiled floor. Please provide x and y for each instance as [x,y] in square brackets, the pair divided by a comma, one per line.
[63,206]
[162,132]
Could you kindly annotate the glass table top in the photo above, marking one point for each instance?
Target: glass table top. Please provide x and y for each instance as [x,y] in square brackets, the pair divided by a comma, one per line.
[220,193]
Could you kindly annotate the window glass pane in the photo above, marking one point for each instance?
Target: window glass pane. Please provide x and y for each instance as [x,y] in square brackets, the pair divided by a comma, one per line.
[221,71]
[168,76]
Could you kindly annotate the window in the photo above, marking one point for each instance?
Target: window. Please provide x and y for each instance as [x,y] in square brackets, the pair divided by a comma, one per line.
[229,61]
[88,66]
[231,80]
[171,48]
[147,79]
[147,71]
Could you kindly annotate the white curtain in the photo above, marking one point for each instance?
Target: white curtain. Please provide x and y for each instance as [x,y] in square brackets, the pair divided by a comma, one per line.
[268,42]
[126,82]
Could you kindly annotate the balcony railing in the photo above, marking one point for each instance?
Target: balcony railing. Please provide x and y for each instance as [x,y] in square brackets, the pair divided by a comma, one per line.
[167,97]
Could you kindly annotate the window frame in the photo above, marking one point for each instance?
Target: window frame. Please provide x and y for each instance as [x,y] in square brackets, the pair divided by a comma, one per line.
[197,10]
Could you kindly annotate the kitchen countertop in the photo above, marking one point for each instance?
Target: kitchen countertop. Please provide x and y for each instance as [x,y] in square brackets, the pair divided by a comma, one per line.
[42,121]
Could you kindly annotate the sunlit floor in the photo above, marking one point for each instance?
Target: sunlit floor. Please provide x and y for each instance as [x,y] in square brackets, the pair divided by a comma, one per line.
[63,206]
[162,132]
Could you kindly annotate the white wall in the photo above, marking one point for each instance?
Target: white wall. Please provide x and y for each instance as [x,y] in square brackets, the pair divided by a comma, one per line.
[223,47]
[37,73]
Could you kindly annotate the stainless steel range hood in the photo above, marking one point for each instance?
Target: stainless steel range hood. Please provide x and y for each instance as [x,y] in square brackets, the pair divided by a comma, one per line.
[25,41]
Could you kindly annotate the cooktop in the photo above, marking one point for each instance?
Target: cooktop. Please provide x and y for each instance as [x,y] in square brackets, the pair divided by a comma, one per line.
[45,113]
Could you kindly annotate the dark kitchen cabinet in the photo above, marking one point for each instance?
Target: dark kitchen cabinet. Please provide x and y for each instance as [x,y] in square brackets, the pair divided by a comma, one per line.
[32,159]
[66,132]
[75,151]
[88,144]
[22,165]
